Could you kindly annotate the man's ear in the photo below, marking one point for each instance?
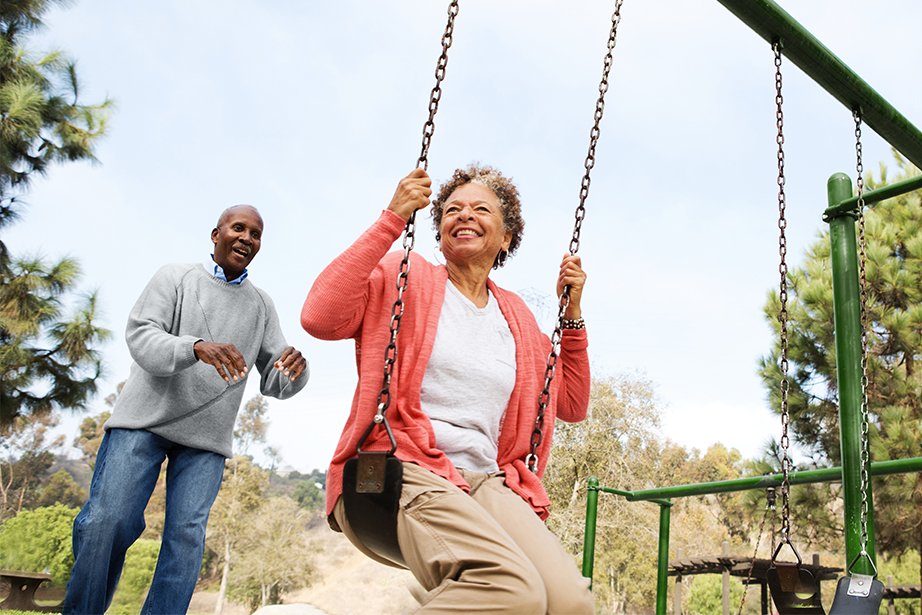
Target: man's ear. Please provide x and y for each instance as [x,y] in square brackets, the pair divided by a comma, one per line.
[214,236]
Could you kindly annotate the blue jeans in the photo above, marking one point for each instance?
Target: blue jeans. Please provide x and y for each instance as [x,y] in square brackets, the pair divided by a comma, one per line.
[127,467]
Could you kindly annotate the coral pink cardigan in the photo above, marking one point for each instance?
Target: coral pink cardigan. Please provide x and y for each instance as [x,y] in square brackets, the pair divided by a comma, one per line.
[353,298]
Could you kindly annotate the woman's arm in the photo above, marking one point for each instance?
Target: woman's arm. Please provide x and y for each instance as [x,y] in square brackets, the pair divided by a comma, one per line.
[335,307]
[573,398]
[573,395]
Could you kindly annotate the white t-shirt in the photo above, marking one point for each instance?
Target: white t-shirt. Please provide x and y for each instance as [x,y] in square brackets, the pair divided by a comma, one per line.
[469,380]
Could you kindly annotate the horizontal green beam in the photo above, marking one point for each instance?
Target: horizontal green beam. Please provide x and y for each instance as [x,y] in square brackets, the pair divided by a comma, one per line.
[826,475]
[874,196]
[625,494]
[772,23]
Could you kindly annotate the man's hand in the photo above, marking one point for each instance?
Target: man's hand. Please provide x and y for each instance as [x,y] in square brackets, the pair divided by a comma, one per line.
[291,363]
[224,357]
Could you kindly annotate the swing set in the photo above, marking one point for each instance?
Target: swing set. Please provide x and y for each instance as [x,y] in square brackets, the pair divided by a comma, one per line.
[372,480]
[793,587]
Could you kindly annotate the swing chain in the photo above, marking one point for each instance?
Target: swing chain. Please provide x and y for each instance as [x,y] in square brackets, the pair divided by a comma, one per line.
[429,127]
[537,434]
[594,133]
[865,455]
[783,313]
[390,353]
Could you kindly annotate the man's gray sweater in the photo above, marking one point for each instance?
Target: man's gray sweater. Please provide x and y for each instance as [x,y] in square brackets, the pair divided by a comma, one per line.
[172,394]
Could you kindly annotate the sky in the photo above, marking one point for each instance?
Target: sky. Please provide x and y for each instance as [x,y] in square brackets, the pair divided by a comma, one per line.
[313,111]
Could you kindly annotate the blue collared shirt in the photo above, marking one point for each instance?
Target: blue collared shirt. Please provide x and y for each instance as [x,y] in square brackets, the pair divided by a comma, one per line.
[217,271]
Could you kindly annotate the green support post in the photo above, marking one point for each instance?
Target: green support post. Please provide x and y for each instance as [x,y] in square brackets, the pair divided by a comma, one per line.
[592,507]
[847,320]
[662,567]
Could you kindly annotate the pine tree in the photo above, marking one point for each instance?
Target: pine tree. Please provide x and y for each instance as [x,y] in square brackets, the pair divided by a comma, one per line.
[46,357]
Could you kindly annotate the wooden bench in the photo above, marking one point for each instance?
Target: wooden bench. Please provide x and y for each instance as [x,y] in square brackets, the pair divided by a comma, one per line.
[22,591]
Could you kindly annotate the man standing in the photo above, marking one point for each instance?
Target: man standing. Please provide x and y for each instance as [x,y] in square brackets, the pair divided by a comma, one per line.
[194,334]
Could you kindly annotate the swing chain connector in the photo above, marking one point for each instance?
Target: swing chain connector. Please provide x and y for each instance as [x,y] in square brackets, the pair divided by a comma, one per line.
[786,540]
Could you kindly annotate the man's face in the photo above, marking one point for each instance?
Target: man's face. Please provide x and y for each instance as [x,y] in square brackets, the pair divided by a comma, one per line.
[237,239]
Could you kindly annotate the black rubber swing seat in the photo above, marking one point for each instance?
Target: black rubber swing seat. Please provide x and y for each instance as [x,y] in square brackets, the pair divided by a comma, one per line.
[794,589]
[851,598]
[371,505]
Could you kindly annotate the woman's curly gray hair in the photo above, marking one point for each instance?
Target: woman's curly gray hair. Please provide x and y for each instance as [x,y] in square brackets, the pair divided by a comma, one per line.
[506,193]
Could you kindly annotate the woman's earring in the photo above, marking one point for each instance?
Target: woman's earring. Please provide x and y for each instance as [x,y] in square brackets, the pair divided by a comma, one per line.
[501,259]
[437,253]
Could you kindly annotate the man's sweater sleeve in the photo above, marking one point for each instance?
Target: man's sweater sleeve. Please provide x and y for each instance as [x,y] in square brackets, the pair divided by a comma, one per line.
[273,382]
[150,341]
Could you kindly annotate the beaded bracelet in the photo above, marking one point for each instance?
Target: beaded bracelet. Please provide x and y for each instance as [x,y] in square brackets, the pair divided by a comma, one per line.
[579,323]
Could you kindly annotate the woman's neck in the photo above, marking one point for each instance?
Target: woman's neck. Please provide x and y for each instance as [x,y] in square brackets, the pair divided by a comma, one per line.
[472,282]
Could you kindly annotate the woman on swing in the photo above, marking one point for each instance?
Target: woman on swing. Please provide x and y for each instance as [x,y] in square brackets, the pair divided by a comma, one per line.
[465,388]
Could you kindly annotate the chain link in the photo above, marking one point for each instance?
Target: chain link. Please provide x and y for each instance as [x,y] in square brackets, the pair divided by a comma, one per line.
[783,312]
[436,96]
[544,399]
[865,455]
[390,353]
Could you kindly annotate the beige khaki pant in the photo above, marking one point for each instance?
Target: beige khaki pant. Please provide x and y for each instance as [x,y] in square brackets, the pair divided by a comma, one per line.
[487,552]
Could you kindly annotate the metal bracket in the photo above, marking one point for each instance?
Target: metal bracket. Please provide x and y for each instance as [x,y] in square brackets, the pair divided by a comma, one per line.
[371,472]
[860,585]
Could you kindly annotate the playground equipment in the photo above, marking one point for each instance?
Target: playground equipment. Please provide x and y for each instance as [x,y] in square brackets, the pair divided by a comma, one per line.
[787,37]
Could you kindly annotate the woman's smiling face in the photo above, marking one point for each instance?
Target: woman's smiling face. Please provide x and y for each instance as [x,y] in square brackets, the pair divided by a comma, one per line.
[472,226]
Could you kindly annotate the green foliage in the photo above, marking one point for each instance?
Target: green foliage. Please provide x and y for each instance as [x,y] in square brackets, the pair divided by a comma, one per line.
[251,426]
[39,540]
[41,119]
[61,488]
[258,575]
[46,357]
[905,571]
[25,457]
[308,496]
[619,443]
[90,435]
[240,497]
[706,595]
[137,573]
[47,360]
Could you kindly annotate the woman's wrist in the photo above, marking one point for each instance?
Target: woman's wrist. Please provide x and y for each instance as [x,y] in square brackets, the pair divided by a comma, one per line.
[573,323]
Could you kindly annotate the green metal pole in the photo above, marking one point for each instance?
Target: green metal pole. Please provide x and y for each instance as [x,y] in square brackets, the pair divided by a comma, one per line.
[772,23]
[592,506]
[847,319]
[662,564]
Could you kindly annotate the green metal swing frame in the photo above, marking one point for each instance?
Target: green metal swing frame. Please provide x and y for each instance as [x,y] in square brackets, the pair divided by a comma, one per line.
[773,24]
